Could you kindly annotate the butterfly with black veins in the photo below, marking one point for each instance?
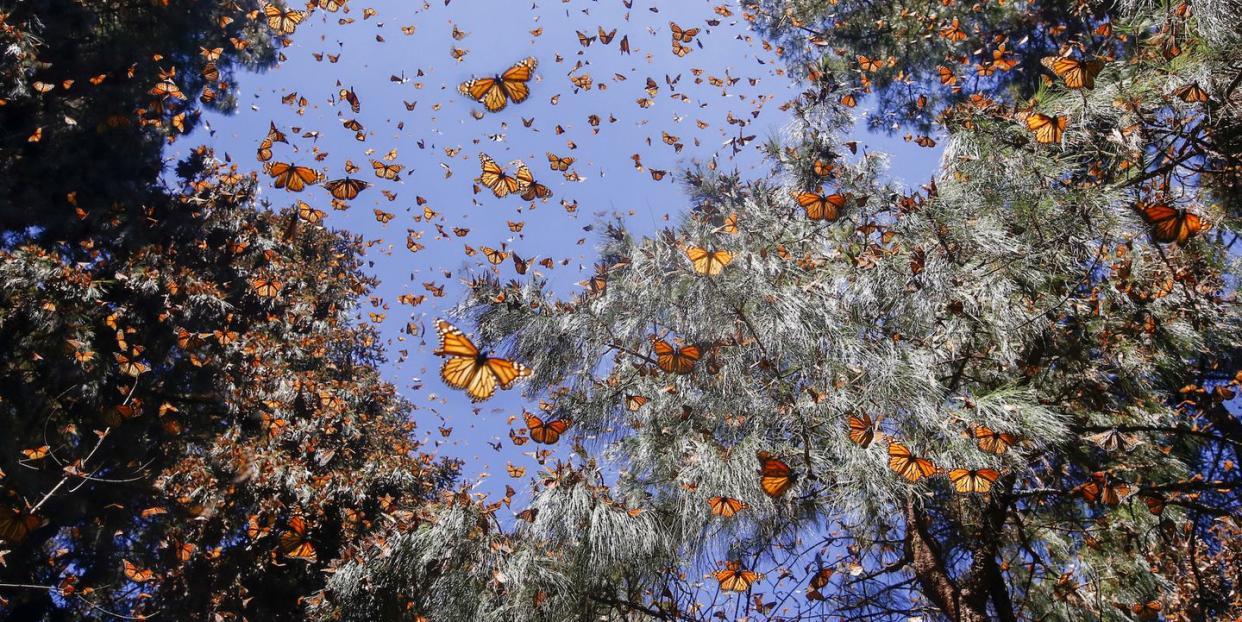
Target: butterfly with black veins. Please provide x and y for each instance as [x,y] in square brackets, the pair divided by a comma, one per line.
[471,369]
[497,91]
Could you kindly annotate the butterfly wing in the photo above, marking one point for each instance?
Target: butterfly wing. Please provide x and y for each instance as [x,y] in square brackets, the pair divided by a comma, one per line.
[486,91]
[775,476]
[514,80]
[683,359]
[494,177]
[862,430]
[506,372]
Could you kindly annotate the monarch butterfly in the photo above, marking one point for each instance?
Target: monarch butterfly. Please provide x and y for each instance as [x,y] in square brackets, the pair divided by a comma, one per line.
[294,542]
[734,579]
[819,207]
[546,433]
[606,37]
[870,64]
[1192,93]
[1113,440]
[675,360]
[136,574]
[536,190]
[862,430]
[494,256]
[848,100]
[265,150]
[266,287]
[492,92]
[775,477]
[726,507]
[634,402]
[681,50]
[351,97]
[977,481]
[1077,74]
[682,35]
[386,171]
[1048,130]
[1171,224]
[1101,488]
[1149,610]
[500,182]
[947,77]
[907,465]
[468,368]
[709,263]
[15,525]
[284,21]
[292,177]
[994,442]
[275,135]
[558,163]
[346,188]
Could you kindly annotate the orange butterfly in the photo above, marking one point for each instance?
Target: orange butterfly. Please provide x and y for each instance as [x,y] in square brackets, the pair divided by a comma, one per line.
[1171,224]
[294,542]
[676,360]
[558,163]
[978,481]
[136,574]
[1048,130]
[386,171]
[726,507]
[708,263]
[907,465]
[546,433]
[634,402]
[284,21]
[775,476]
[15,525]
[494,91]
[292,177]
[266,287]
[862,430]
[498,181]
[682,35]
[734,579]
[1077,74]
[819,207]
[1192,93]
[1101,488]
[994,442]
[346,188]
[468,368]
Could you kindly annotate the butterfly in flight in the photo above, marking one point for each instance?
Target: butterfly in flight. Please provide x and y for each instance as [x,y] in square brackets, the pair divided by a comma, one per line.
[497,91]
[734,578]
[346,188]
[292,177]
[546,433]
[471,369]
[498,181]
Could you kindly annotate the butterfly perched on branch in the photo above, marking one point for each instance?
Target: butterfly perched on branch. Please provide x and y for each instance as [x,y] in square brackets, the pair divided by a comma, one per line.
[734,578]
[775,476]
[470,369]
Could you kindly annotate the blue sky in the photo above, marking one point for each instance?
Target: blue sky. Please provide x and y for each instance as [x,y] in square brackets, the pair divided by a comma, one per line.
[407,86]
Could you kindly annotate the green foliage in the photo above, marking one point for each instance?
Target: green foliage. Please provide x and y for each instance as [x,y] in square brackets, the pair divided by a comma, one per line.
[1020,291]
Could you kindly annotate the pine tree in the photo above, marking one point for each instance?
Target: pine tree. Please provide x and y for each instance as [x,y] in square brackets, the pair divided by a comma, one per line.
[1032,324]
[194,424]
